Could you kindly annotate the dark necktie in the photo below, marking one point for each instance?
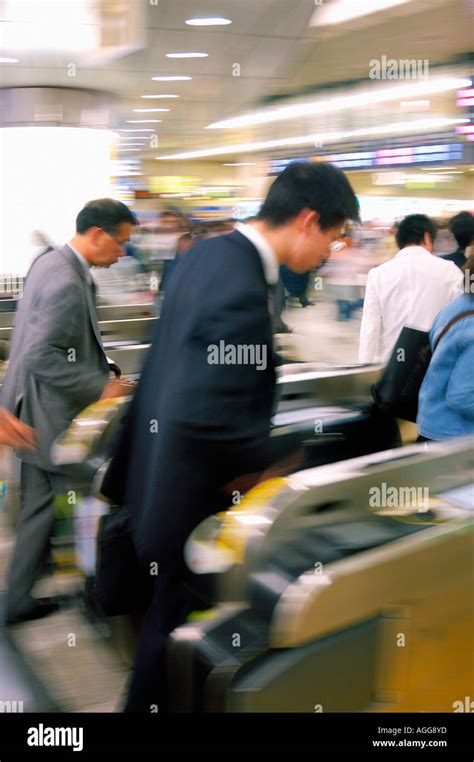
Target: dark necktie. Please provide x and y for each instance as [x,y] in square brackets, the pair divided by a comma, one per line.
[94,293]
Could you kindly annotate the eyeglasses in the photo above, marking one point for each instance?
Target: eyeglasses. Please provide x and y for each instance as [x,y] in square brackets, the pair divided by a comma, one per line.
[336,246]
[121,244]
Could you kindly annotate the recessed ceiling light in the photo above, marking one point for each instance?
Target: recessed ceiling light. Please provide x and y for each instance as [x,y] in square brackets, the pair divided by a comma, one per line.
[8,60]
[160,96]
[178,78]
[187,55]
[142,121]
[210,21]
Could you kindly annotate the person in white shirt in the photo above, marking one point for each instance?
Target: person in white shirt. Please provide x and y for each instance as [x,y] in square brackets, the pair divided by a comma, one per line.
[409,290]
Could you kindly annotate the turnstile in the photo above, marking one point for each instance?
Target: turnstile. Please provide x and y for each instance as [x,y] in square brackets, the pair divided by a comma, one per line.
[304,415]
[341,588]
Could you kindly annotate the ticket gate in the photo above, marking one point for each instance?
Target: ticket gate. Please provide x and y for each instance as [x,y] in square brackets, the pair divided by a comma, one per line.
[339,432]
[327,411]
[341,588]
[126,331]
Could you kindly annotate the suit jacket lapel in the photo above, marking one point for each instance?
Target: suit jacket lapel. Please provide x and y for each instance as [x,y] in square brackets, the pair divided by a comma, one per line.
[68,252]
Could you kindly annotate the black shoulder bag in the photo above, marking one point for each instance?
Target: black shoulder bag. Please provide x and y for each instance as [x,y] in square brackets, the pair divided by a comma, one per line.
[396,394]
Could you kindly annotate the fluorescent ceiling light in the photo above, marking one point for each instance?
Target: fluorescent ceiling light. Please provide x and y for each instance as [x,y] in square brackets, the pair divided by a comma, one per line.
[423,105]
[146,111]
[417,125]
[121,150]
[340,11]
[171,79]
[187,55]
[210,21]
[160,96]
[143,129]
[142,121]
[343,102]
[8,60]
[151,109]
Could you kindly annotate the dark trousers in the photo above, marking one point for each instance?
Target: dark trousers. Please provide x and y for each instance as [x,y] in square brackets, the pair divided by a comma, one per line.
[35,528]
[175,596]
[177,591]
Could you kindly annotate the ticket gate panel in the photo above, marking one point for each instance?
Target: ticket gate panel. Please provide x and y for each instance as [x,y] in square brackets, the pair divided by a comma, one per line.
[335,674]
[391,595]
[313,548]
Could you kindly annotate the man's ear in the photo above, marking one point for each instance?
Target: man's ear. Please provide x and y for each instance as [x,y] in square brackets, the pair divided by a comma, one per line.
[94,235]
[428,242]
[308,218]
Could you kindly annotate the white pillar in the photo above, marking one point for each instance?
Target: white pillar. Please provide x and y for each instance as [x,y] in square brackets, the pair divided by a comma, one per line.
[49,171]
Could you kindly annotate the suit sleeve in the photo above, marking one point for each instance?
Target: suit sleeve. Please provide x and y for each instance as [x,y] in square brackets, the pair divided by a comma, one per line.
[50,353]
[460,391]
[371,322]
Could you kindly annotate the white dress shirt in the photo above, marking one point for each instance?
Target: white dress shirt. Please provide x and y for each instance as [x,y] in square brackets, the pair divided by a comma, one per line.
[270,264]
[409,290]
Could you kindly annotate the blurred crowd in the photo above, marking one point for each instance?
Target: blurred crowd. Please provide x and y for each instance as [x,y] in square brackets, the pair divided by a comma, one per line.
[156,247]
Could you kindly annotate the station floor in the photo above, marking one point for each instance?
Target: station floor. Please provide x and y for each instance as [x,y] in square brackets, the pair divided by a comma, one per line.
[77,662]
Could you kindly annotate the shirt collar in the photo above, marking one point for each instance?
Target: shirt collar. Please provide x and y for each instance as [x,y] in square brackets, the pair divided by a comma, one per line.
[266,252]
[413,249]
[84,263]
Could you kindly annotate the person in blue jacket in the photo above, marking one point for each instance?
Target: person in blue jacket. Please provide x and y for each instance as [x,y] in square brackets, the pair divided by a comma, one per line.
[446,401]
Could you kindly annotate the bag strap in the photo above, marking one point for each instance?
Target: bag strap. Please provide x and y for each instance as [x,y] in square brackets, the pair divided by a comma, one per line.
[454,320]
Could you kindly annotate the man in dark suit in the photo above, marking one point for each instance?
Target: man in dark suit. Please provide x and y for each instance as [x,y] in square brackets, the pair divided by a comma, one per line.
[462,228]
[201,414]
[57,368]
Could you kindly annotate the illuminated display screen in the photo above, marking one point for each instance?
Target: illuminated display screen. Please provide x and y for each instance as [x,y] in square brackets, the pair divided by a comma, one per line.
[404,155]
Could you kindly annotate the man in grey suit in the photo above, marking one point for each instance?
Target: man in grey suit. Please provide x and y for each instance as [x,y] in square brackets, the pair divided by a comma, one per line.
[57,367]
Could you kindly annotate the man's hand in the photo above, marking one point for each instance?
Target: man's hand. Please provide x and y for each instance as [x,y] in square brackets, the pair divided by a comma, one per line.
[117,388]
[15,433]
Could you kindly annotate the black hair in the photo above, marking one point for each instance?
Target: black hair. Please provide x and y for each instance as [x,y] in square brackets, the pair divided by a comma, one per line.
[105,213]
[462,228]
[320,187]
[411,230]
